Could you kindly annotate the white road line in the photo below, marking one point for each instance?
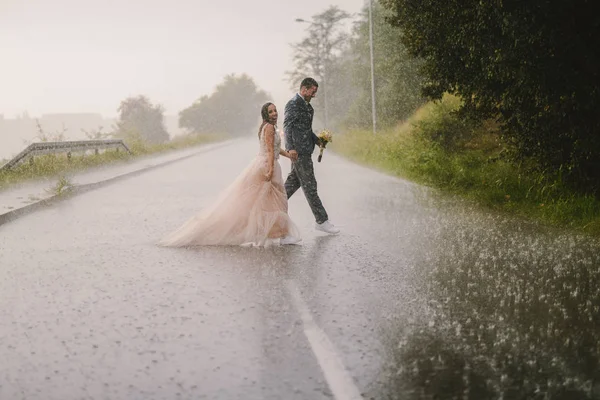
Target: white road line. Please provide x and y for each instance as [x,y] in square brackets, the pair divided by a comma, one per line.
[340,382]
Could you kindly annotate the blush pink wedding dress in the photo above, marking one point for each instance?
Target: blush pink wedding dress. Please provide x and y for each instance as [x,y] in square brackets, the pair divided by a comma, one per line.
[250,211]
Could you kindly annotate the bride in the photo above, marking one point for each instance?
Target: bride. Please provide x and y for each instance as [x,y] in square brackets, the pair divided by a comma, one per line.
[253,210]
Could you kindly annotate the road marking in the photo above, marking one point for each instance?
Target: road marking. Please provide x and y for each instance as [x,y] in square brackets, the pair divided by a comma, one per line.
[338,378]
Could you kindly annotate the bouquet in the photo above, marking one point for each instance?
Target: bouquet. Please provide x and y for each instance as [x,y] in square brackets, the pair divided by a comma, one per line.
[325,136]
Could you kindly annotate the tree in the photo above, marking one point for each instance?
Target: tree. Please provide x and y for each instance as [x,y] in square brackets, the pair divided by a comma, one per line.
[232,109]
[316,54]
[397,79]
[348,82]
[139,117]
[532,65]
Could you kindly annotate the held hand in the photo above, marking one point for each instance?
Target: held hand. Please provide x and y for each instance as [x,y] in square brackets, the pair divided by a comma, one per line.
[269,175]
[293,155]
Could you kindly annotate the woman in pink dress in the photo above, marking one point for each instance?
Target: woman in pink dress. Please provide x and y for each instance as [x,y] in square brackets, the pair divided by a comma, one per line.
[253,210]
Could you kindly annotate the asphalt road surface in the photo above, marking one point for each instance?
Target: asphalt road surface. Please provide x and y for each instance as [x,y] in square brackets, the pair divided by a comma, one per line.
[421,296]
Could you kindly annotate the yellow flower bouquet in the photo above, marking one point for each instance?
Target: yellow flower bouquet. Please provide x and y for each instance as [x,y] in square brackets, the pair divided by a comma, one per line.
[325,137]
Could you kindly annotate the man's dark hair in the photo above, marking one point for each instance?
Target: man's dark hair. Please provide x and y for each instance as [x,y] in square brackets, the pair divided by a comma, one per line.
[308,83]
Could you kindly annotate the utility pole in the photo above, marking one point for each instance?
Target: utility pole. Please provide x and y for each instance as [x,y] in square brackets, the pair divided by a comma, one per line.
[374,110]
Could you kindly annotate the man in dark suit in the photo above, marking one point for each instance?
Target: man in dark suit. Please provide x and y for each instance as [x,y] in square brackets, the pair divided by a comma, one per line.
[300,142]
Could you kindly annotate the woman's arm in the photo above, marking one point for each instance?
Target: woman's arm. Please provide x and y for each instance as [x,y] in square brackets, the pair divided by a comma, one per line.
[284,153]
[270,141]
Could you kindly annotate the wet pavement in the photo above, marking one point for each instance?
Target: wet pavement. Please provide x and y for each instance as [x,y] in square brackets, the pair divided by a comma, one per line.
[421,296]
[16,197]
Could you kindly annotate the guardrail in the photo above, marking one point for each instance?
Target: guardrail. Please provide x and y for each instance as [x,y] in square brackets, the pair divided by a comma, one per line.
[41,148]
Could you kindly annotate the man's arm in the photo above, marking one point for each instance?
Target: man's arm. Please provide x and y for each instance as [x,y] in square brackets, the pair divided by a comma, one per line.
[316,139]
[290,117]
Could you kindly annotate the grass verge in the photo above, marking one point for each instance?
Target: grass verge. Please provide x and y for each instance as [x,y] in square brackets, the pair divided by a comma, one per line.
[437,149]
[58,164]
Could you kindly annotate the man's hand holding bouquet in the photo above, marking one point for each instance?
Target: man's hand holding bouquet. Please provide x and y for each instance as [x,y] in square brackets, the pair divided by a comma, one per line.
[325,137]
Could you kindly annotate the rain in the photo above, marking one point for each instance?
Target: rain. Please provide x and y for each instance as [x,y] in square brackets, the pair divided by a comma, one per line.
[467,262]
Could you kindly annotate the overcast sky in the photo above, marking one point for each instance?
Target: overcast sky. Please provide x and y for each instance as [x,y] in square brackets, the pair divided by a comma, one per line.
[87,56]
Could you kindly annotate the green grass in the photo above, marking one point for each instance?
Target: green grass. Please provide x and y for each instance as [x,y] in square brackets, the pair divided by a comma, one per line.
[58,164]
[471,165]
[62,186]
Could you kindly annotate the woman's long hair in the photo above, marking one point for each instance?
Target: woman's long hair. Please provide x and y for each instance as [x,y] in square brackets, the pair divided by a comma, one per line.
[264,113]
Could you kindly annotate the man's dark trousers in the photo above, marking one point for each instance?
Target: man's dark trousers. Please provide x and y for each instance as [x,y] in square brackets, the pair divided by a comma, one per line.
[303,175]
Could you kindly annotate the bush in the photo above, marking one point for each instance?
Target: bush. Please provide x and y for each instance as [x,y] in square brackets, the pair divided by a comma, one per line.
[444,126]
[531,64]
[431,149]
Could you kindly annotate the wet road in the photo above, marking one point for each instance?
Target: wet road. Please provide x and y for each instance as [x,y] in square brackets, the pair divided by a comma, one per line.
[420,297]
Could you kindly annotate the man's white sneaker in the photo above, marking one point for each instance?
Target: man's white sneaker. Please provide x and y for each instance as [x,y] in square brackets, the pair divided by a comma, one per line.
[289,240]
[327,227]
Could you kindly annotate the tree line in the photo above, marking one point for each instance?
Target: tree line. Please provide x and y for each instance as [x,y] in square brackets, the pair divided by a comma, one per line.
[230,110]
[532,67]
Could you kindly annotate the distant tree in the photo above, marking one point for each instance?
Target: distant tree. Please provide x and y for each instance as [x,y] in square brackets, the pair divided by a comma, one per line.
[397,78]
[233,108]
[138,116]
[317,56]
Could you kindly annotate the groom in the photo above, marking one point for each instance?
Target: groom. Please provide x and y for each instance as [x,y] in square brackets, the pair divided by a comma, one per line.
[300,142]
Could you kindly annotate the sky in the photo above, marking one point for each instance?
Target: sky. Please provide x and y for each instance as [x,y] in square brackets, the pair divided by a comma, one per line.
[69,56]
